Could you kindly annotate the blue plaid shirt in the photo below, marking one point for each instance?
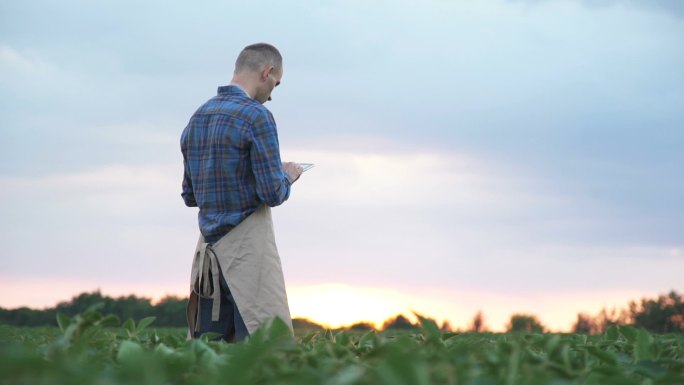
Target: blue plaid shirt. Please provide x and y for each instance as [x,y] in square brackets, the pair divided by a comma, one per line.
[232,161]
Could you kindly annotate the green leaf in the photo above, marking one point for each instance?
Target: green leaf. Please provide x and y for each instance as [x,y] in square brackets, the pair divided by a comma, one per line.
[612,333]
[210,336]
[580,339]
[342,339]
[63,321]
[629,332]
[154,338]
[205,353]
[552,342]
[129,325]
[110,320]
[650,369]
[513,365]
[70,331]
[671,379]
[143,323]
[402,368]
[644,343]
[348,376]
[129,352]
[430,328]
[163,350]
[604,356]
[367,341]
[278,329]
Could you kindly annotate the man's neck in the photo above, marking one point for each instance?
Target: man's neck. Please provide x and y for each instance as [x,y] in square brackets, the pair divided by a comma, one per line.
[237,82]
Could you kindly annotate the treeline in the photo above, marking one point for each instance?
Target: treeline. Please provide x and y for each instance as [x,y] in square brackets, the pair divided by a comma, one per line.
[170,311]
[664,314]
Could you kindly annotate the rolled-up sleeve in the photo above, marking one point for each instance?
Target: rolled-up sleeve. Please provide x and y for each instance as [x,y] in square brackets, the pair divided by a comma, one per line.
[272,184]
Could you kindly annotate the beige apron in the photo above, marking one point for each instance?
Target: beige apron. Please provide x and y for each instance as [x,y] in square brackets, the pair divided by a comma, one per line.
[250,264]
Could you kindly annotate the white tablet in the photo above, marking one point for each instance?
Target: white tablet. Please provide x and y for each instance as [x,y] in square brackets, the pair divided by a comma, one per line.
[306,166]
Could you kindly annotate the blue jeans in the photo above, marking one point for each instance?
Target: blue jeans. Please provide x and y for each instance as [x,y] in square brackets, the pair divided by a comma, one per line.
[230,324]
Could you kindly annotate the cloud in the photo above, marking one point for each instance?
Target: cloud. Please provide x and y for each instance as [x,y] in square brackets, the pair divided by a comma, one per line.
[114,221]
[30,79]
[414,179]
[12,60]
[31,75]
[117,191]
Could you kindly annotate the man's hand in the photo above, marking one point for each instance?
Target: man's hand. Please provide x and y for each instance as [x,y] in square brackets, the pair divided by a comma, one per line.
[293,170]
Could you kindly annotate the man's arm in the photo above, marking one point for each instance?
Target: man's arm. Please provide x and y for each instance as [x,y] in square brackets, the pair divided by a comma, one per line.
[272,183]
[188,194]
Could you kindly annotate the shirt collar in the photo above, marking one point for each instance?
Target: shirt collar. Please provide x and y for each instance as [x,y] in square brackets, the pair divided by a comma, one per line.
[239,87]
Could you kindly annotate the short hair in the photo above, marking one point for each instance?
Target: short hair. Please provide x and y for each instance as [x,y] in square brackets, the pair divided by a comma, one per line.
[257,56]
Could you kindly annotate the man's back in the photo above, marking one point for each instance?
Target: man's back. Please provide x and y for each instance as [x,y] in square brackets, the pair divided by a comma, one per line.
[232,161]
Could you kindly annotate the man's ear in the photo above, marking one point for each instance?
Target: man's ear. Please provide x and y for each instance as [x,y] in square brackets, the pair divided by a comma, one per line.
[267,71]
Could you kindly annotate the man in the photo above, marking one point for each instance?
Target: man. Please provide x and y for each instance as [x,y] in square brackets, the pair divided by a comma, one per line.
[234,174]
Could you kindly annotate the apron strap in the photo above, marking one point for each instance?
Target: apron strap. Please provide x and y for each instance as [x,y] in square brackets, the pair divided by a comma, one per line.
[206,262]
[216,305]
[202,270]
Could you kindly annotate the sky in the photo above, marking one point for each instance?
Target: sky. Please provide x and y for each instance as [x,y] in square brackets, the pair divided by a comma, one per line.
[497,156]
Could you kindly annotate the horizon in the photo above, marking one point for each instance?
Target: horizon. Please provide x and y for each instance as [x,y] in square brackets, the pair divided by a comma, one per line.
[331,320]
[469,156]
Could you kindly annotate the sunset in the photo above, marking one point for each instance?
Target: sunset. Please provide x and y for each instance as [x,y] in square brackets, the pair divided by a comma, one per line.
[498,157]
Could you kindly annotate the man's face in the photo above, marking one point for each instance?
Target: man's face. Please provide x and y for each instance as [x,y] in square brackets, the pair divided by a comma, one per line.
[271,81]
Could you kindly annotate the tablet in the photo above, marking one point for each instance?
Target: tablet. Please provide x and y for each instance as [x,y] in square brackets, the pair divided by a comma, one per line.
[306,166]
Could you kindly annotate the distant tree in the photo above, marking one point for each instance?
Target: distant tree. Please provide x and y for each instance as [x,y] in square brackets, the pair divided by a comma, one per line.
[305,325]
[24,316]
[83,301]
[446,326]
[607,318]
[586,324]
[361,326]
[124,307]
[398,322]
[664,314]
[525,323]
[133,307]
[478,323]
[170,311]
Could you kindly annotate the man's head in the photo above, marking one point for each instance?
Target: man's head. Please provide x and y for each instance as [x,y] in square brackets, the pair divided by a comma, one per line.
[258,69]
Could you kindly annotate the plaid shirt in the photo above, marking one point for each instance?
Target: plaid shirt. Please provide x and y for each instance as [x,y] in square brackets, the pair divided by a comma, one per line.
[232,161]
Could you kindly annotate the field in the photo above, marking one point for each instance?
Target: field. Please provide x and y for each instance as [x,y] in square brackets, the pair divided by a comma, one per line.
[88,349]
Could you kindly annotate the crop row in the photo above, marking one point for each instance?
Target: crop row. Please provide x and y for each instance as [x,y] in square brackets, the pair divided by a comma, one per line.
[93,349]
